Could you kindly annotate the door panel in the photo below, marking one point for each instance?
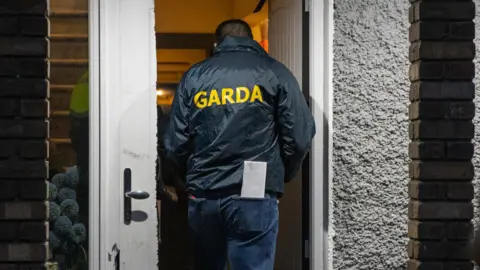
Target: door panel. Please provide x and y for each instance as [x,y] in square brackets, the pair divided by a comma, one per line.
[285,45]
[128,134]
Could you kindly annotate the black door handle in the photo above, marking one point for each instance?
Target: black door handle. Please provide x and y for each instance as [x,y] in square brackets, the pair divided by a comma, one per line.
[129,195]
[137,194]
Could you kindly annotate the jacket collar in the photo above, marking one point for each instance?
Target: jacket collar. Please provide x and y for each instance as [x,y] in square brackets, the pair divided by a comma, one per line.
[235,44]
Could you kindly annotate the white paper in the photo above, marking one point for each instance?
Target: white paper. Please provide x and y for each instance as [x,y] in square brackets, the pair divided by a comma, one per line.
[254,178]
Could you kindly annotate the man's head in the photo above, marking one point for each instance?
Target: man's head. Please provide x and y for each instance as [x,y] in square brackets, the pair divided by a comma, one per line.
[233,28]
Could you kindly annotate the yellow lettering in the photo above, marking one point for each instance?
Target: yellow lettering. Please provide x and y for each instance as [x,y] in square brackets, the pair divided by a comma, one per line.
[239,98]
[256,94]
[227,94]
[200,99]
[213,98]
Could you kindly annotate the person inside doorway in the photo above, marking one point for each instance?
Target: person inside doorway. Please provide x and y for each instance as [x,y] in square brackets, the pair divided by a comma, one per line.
[239,129]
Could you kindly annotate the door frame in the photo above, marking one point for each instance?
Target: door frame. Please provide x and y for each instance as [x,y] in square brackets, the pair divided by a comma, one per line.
[320,89]
[320,70]
[94,241]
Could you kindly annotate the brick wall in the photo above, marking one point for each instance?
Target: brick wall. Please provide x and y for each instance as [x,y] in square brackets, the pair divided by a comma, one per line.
[441,129]
[23,134]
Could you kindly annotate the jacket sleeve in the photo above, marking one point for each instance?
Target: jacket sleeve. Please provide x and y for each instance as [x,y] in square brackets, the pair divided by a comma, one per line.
[176,138]
[295,122]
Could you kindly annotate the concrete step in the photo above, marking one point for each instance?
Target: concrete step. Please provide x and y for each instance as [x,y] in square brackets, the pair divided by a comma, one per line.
[68,5]
[71,25]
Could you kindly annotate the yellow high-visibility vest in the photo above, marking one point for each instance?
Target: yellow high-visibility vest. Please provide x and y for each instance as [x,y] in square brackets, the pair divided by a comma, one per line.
[79,100]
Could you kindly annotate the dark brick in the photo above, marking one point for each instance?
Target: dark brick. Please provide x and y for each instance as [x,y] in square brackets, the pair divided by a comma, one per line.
[460,150]
[460,191]
[8,148]
[24,210]
[23,189]
[426,150]
[23,128]
[18,168]
[422,129]
[24,67]
[38,7]
[35,108]
[458,250]
[9,107]
[466,265]
[9,25]
[33,231]
[8,231]
[34,149]
[32,190]
[459,230]
[8,190]
[442,31]
[427,190]
[419,265]
[23,252]
[34,25]
[426,250]
[24,46]
[434,70]
[426,230]
[31,88]
[441,50]
[431,170]
[438,10]
[440,210]
[442,90]
[463,110]
[27,266]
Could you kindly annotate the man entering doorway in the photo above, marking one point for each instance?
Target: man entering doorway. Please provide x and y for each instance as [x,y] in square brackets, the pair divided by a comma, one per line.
[240,111]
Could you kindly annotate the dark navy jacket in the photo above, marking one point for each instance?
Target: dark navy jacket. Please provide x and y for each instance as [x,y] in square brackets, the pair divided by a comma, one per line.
[238,105]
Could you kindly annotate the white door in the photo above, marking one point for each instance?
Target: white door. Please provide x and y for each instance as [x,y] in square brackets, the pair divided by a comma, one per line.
[123,96]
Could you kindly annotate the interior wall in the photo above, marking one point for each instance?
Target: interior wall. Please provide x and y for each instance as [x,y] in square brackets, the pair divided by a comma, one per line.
[191,16]
[285,45]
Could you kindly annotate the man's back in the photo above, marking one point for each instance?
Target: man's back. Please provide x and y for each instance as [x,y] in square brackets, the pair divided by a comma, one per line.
[234,116]
[239,105]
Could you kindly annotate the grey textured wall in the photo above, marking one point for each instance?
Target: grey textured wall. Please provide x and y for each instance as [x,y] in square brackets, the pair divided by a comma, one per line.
[370,174]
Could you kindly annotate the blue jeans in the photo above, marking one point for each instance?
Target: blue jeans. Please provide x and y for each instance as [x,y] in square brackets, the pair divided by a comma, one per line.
[242,230]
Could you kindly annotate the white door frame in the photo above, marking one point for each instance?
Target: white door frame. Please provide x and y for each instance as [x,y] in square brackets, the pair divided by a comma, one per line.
[321,94]
[122,66]
[94,240]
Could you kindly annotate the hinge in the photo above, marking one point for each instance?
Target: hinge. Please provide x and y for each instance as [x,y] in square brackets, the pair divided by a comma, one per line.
[307,249]
[308,4]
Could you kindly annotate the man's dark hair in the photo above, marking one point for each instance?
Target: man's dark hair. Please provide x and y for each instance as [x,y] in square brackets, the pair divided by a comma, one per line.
[233,28]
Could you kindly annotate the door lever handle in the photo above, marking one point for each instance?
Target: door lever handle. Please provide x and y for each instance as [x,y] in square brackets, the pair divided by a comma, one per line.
[130,194]
[137,194]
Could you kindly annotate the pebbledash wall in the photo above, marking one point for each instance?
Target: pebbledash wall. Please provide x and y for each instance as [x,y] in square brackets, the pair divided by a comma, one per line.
[370,194]
[370,139]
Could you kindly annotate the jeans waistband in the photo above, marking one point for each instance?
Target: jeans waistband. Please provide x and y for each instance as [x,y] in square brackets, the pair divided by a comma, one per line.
[221,194]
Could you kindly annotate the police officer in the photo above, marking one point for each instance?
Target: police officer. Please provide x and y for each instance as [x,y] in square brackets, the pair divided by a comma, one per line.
[238,105]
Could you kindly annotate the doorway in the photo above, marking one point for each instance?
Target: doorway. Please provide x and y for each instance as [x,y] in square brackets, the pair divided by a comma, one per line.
[278,28]
[126,83]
